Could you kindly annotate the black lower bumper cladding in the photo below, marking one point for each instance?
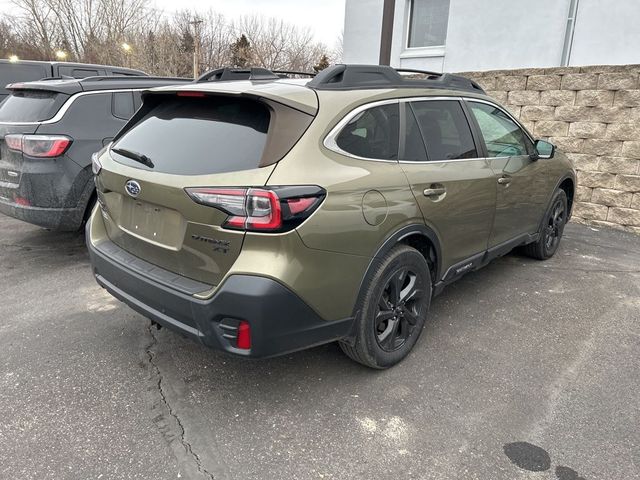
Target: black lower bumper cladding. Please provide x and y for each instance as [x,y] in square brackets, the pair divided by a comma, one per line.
[279,320]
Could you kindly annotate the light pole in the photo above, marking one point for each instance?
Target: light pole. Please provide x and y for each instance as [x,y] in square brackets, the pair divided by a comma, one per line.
[196,46]
[127,51]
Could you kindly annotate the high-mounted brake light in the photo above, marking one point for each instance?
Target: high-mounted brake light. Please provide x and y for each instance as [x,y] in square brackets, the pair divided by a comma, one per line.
[259,209]
[40,146]
[190,94]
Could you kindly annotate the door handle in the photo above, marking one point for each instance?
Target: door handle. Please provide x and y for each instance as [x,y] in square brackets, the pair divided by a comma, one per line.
[504,180]
[434,192]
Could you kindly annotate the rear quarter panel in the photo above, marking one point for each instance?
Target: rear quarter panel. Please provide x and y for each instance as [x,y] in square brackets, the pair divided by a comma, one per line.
[339,241]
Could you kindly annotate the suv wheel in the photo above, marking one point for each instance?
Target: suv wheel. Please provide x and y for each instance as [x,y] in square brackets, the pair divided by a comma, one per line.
[393,311]
[552,228]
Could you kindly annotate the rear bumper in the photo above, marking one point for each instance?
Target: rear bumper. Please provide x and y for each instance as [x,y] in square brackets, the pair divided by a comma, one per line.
[52,218]
[52,194]
[280,321]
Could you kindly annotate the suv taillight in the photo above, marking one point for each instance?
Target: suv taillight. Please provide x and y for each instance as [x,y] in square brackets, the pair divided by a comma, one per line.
[276,209]
[40,146]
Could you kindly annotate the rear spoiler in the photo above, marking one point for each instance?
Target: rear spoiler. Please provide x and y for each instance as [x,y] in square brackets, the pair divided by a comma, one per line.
[64,86]
[71,86]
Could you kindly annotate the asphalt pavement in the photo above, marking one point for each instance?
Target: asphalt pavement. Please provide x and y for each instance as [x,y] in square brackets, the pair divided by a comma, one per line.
[525,370]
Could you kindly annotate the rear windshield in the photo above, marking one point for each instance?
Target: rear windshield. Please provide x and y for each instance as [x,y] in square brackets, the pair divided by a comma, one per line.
[30,105]
[198,135]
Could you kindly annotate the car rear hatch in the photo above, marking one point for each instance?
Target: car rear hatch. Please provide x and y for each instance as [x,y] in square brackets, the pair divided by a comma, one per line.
[179,143]
[21,113]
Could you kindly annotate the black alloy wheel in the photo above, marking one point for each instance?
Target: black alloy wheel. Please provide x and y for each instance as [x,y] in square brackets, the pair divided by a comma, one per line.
[397,313]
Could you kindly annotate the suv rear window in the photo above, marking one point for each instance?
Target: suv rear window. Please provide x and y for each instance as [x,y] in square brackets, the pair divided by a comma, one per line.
[30,105]
[198,135]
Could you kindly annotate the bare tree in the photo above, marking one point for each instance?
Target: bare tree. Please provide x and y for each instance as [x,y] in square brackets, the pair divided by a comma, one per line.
[95,30]
[278,45]
[216,38]
[38,23]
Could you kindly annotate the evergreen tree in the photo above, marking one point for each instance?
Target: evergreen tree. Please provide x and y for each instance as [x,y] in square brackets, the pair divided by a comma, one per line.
[322,64]
[241,52]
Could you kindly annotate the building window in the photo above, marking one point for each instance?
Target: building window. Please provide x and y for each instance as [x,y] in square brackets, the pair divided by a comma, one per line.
[428,21]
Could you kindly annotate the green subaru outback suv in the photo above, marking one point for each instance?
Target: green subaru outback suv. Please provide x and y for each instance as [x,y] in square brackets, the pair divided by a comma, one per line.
[263,214]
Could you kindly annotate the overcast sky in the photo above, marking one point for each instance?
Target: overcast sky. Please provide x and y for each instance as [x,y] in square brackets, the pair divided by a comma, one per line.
[324,17]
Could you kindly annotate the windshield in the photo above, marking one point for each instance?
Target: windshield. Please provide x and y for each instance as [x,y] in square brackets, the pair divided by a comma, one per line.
[197,136]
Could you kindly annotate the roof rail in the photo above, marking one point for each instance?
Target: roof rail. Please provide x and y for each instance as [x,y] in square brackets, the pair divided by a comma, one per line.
[252,73]
[288,73]
[356,77]
[59,77]
[124,78]
[226,74]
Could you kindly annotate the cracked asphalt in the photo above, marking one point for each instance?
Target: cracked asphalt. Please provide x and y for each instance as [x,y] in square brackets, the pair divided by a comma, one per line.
[525,370]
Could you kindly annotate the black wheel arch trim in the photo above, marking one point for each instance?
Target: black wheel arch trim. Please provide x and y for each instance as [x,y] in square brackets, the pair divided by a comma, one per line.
[386,246]
[406,232]
[568,176]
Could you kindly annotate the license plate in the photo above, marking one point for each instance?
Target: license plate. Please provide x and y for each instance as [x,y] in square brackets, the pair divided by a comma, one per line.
[159,225]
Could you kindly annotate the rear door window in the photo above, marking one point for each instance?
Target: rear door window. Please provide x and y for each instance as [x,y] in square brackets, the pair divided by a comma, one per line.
[198,135]
[79,72]
[445,129]
[30,105]
[122,105]
[372,133]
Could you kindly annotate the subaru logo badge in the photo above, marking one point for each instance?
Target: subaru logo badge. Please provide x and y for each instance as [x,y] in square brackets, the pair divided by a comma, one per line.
[133,188]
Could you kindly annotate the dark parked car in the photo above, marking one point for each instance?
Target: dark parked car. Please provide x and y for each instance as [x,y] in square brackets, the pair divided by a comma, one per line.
[48,132]
[31,70]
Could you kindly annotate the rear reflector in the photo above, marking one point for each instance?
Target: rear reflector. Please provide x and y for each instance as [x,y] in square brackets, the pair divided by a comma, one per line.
[40,146]
[244,335]
[260,209]
[22,201]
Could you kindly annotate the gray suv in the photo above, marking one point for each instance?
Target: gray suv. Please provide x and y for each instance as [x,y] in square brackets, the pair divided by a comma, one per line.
[48,131]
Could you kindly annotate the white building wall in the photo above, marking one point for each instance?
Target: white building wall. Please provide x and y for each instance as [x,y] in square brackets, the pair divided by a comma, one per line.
[607,33]
[501,34]
[362,29]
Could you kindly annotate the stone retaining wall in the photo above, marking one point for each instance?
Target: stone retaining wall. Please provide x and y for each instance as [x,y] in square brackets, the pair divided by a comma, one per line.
[592,114]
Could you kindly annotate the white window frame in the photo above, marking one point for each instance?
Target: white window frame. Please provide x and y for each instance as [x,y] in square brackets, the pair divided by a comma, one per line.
[418,52]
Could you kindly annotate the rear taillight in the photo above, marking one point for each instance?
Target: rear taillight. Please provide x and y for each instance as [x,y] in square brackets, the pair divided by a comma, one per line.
[277,209]
[40,146]
[13,142]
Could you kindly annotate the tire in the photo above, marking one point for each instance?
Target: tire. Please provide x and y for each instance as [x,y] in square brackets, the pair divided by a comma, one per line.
[551,229]
[87,211]
[393,310]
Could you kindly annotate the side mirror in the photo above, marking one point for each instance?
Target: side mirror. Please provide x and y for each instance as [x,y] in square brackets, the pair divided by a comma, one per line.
[543,150]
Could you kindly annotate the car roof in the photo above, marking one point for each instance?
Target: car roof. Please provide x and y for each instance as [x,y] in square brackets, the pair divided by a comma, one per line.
[71,86]
[349,82]
[71,64]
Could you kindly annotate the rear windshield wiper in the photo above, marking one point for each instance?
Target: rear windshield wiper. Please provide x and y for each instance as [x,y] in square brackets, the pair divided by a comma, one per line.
[138,157]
